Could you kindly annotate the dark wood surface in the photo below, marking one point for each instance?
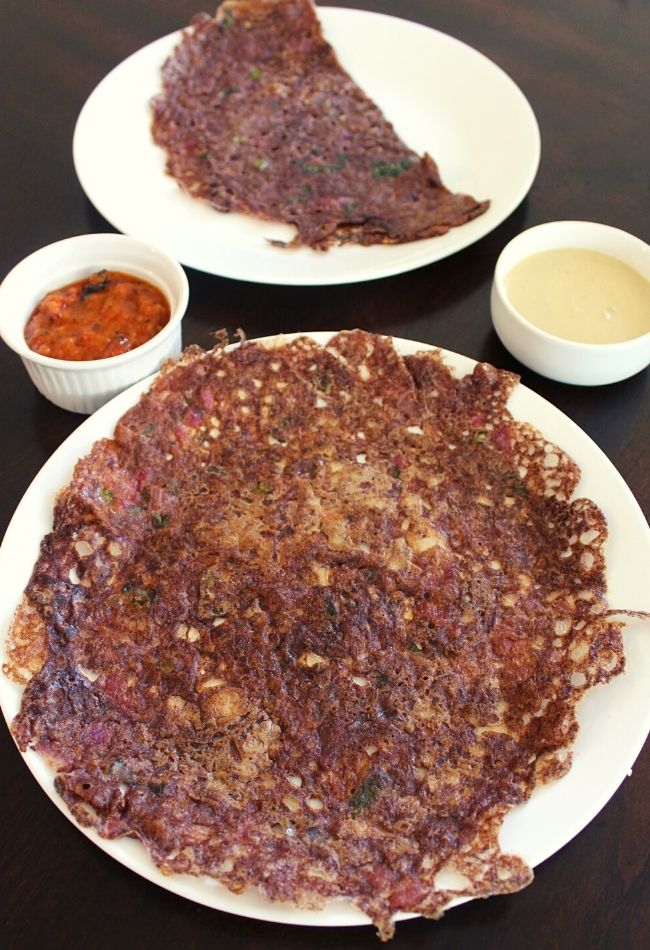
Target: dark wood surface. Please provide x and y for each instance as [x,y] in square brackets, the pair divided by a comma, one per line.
[585,68]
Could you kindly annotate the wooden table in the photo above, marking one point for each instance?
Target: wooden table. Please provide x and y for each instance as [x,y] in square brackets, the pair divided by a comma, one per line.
[585,68]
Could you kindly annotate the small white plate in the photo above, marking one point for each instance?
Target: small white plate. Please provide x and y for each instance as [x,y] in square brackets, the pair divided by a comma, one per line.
[442,96]
[614,719]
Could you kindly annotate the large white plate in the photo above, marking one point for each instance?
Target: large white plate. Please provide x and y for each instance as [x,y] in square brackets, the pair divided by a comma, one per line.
[614,719]
[442,96]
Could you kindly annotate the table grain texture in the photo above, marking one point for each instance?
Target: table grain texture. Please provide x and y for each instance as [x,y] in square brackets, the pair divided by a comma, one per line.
[585,68]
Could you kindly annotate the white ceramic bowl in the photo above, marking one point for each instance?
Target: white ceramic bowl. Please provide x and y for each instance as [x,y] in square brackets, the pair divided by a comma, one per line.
[85,385]
[585,364]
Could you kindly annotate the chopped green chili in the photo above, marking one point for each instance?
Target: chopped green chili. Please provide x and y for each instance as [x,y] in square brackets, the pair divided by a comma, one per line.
[315,168]
[365,795]
[382,169]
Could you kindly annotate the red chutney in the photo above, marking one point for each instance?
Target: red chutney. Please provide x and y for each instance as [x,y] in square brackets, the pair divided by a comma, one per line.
[102,315]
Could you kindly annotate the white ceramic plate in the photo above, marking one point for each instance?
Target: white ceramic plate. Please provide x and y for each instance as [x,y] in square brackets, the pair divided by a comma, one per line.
[442,96]
[615,719]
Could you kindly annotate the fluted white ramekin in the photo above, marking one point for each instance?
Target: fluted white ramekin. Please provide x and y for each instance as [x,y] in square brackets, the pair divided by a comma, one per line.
[85,385]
